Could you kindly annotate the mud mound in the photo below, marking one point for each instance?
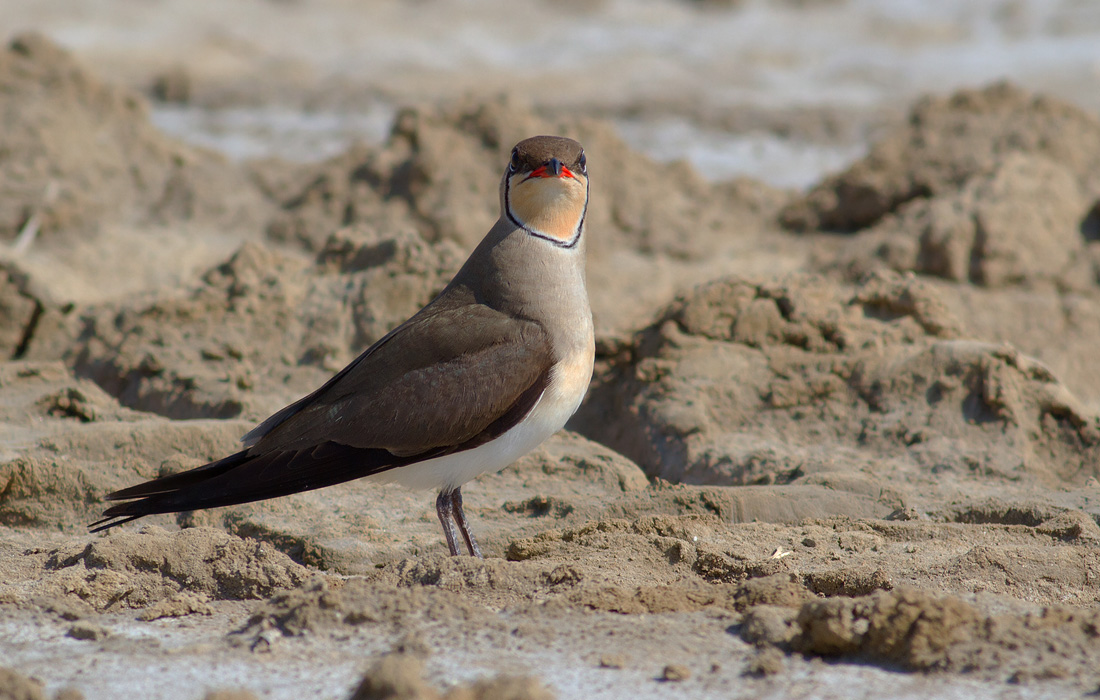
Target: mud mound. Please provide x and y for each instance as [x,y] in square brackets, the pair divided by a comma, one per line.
[1012,232]
[259,321]
[655,229]
[196,355]
[801,381]
[79,152]
[995,192]
[61,480]
[920,631]
[135,570]
[572,570]
[1059,329]
[945,142]
[1019,224]
[67,443]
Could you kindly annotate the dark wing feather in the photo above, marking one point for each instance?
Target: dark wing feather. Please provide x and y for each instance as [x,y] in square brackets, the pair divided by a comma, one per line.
[259,477]
[176,482]
[461,296]
[437,383]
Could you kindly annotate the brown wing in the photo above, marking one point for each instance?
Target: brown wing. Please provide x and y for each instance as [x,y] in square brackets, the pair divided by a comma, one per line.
[439,381]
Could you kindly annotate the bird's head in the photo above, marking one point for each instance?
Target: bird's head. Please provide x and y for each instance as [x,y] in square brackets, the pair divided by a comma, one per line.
[545,188]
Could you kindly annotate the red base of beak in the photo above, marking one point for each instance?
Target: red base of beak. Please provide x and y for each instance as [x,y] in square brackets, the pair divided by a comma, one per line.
[541,171]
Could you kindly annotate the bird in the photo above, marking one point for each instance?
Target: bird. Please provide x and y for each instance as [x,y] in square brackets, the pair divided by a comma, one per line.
[489,369]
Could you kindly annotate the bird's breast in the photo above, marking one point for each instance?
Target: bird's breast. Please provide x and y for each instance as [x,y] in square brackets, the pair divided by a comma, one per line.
[569,381]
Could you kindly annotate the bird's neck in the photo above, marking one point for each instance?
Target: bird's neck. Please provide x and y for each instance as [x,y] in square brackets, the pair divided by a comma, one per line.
[525,276]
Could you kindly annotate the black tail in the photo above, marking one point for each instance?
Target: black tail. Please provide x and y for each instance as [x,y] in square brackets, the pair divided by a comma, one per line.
[244,477]
[156,495]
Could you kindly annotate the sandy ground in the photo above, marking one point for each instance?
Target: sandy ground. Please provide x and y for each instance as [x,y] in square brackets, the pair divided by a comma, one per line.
[840,443]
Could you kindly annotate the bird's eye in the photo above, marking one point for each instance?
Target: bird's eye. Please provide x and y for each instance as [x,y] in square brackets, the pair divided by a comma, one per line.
[513,166]
[583,163]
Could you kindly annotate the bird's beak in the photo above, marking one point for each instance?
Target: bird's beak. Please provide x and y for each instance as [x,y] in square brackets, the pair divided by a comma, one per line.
[551,168]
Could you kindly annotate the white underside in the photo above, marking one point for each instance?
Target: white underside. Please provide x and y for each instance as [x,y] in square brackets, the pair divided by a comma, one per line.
[451,471]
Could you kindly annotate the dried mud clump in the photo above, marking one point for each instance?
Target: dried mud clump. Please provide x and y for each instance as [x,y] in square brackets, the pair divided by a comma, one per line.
[78,153]
[135,570]
[920,631]
[1019,224]
[907,627]
[946,142]
[192,356]
[401,677]
[799,380]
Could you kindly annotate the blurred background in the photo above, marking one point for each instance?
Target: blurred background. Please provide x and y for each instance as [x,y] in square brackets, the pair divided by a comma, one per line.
[779,90]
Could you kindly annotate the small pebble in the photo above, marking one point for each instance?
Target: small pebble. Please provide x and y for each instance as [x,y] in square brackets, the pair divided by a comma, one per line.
[612,661]
[766,662]
[87,631]
[676,672]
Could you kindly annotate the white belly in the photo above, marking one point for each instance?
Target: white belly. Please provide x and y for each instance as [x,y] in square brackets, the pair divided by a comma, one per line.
[568,384]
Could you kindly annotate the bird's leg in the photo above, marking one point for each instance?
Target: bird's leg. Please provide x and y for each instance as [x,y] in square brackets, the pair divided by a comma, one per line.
[463,526]
[444,508]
